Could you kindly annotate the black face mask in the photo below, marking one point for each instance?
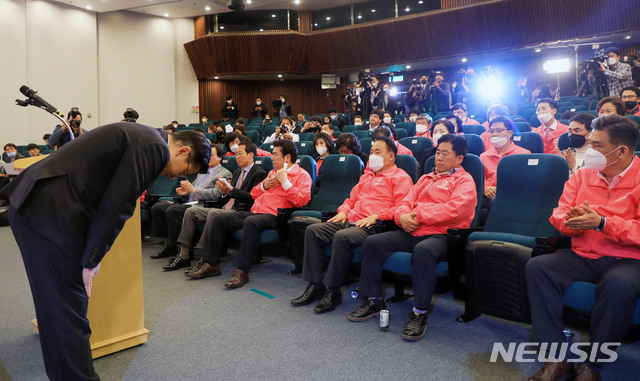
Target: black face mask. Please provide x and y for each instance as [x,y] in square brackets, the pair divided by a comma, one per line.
[630,105]
[220,133]
[424,81]
[576,141]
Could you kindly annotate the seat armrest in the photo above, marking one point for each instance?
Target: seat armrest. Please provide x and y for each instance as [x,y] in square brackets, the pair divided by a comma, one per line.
[547,245]
[456,243]
[326,216]
[382,226]
[281,222]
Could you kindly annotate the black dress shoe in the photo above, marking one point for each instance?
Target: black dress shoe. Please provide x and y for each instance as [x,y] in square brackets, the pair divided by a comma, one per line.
[166,252]
[330,300]
[311,293]
[195,267]
[367,310]
[416,327]
[177,263]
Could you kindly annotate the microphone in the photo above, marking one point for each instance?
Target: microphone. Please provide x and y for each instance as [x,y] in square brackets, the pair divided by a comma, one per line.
[37,101]
[22,103]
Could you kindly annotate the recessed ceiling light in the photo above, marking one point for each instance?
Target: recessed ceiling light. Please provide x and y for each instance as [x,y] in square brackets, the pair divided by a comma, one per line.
[221,27]
[296,2]
[89,7]
[627,37]
[207,8]
[249,1]
[216,77]
[359,16]
[408,67]
[262,30]
[420,2]
[373,10]
[328,18]
[316,24]
[279,75]
[538,50]
[166,15]
[407,9]
[273,15]
[464,60]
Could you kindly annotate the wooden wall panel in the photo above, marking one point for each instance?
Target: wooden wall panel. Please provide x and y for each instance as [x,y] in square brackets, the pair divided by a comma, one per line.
[199,27]
[448,4]
[303,95]
[489,26]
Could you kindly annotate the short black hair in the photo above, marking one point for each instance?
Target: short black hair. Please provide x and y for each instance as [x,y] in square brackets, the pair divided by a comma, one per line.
[205,116]
[229,97]
[414,111]
[231,136]
[568,114]
[46,136]
[130,114]
[349,140]
[552,103]
[612,49]
[358,116]
[315,118]
[240,121]
[508,123]
[450,127]
[391,145]
[333,110]
[31,146]
[10,145]
[331,126]
[632,88]
[459,106]
[286,118]
[288,148]
[200,147]
[617,102]
[219,150]
[225,114]
[458,143]
[380,131]
[379,113]
[174,121]
[425,116]
[585,119]
[458,121]
[622,130]
[249,147]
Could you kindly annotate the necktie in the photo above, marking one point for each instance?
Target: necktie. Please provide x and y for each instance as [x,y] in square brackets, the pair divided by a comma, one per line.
[547,133]
[231,202]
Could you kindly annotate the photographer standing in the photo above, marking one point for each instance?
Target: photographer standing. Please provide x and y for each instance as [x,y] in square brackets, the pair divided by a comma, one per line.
[618,74]
[231,108]
[259,110]
[371,96]
[438,96]
[60,136]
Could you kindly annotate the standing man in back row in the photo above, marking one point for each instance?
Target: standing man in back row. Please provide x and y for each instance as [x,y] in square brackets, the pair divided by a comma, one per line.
[65,212]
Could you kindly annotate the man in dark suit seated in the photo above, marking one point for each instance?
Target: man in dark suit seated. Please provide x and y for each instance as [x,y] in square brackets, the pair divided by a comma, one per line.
[287,186]
[374,197]
[441,199]
[375,120]
[167,217]
[66,211]
[599,210]
[236,196]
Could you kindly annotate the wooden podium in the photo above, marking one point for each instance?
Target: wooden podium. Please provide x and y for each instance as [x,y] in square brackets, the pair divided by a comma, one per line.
[116,308]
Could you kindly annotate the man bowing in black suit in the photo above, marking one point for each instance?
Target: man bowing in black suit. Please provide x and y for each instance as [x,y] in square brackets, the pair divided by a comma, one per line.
[66,211]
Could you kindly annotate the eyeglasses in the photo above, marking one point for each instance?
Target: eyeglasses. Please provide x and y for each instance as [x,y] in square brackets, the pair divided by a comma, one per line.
[497,131]
[630,97]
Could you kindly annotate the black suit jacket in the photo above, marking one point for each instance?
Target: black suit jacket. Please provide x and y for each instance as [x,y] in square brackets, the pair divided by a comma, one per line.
[244,201]
[81,195]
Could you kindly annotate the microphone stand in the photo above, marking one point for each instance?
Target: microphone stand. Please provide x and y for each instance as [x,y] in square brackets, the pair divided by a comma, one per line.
[29,102]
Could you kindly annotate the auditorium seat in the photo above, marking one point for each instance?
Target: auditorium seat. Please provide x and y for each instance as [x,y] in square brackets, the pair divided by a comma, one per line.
[529,140]
[475,145]
[305,147]
[477,129]
[522,126]
[361,134]
[410,127]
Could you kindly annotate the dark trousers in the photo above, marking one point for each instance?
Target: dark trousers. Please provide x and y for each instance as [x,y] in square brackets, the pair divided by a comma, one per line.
[60,300]
[166,221]
[617,288]
[343,238]
[427,251]
[226,223]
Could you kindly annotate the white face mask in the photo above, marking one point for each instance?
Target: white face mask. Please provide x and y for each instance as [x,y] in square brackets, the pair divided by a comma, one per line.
[321,150]
[333,116]
[612,61]
[421,128]
[413,118]
[376,162]
[386,120]
[229,101]
[234,148]
[357,123]
[499,141]
[436,137]
[258,103]
[204,120]
[545,118]
[596,160]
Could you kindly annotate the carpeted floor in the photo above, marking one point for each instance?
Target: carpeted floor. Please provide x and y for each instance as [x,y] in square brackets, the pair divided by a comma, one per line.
[201,331]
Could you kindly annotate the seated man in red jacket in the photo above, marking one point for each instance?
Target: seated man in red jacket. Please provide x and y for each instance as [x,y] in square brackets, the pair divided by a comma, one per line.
[551,129]
[374,197]
[443,198]
[599,210]
[286,186]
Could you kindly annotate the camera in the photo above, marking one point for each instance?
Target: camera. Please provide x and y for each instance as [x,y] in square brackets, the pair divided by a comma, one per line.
[593,63]
[130,115]
[460,75]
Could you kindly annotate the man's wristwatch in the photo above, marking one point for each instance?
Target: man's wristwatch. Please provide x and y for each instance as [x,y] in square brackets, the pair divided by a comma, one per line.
[601,226]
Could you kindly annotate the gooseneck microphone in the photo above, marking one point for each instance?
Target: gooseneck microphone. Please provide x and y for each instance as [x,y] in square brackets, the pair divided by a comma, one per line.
[35,100]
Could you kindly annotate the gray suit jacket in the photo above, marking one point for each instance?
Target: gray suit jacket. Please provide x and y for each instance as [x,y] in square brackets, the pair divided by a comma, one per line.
[208,191]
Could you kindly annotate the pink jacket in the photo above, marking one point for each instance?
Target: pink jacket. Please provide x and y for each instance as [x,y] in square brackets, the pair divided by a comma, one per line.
[377,194]
[551,144]
[440,202]
[620,206]
[296,196]
[490,160]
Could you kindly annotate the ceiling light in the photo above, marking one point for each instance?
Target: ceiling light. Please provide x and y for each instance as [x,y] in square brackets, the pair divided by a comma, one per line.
[89,7]
[216,77]
[279,75]
[166,15]
[316,24]
[627,37]
[538,50]
[221,27]
[420,2]
[207,8]
[359,16]
[273,15]
[464,60]
[296,2]
[407,9]
[408,67]
[249,1]
[328,18]
[373,10]
[262,30]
